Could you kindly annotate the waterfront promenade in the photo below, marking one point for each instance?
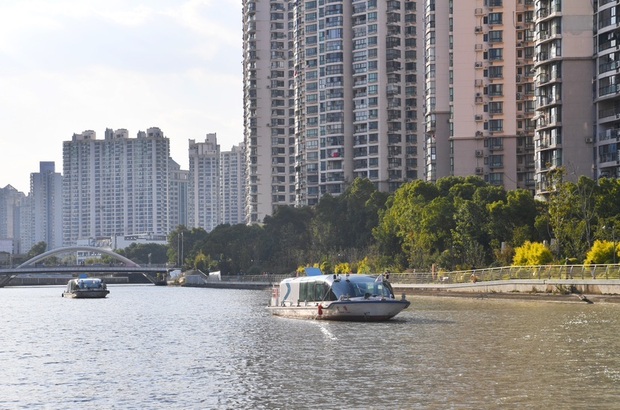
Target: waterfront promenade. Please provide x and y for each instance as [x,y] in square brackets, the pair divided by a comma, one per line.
[597,281]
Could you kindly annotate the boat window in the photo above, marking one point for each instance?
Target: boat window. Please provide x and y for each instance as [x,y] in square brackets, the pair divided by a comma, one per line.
[315,291]
[355,289]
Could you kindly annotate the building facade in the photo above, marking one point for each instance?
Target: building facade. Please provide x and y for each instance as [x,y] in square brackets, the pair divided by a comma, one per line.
[508,91]
[46,204]
[204,183]
[232,186]
[607,86]
[12,206]
[331,94]
[177,195]
[117,185]
[564,67]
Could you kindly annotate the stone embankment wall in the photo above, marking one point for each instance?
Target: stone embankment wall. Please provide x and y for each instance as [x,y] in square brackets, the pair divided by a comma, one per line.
[562,286]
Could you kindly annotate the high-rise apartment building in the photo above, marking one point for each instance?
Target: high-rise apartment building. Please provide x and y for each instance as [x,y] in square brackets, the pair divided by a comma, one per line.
[177,195]
[11,209]
[506,94]
[331,93]
[232,186]
[479,90]
[118,185]
[564,70]
[204,183]
[607,88]
[46,204]
[508,90]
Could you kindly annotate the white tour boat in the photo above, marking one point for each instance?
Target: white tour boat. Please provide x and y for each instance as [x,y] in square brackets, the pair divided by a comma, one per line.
[336,297]
[86,288]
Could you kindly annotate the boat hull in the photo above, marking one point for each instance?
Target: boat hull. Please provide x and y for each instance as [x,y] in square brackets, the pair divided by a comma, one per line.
[360,311]
[87,294]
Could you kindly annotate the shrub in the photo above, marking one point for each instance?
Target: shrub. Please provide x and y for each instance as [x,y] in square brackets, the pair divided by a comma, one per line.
[532,254]
[601,252]
[342,268]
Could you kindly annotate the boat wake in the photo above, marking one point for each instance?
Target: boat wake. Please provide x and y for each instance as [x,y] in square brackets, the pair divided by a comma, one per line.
[329,335]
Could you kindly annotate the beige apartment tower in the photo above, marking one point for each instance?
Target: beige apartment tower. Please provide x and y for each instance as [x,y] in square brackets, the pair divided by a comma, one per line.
[508,86]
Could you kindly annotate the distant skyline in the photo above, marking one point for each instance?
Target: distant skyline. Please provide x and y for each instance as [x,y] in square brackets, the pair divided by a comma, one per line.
[73,65]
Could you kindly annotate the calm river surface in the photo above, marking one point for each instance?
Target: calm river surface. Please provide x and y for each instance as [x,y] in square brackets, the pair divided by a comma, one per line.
[147,347]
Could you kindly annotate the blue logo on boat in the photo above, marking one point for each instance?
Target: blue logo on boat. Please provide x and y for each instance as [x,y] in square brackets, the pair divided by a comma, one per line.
[288,291]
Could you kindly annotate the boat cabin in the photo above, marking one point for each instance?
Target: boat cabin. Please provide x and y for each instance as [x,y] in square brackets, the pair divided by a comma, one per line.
[296,291]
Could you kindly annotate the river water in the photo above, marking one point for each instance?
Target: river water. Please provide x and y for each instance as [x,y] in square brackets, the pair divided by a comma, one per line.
[147,347]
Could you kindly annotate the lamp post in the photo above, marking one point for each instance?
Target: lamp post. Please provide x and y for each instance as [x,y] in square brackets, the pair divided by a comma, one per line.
[180,249]
[613,240]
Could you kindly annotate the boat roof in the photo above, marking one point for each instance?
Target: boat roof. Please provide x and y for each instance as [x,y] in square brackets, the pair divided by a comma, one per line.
[354,277]
[87,279]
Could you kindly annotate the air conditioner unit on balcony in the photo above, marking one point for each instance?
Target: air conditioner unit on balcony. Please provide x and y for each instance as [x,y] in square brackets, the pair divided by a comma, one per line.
[478,117]
[589,140]
[478,64]
[479,153]
[478,29]
[478,134]
[479,170]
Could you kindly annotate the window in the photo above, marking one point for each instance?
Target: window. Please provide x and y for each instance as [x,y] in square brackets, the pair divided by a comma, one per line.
[494,18]
[495,36]
[496,125]
[496,54]
[496,72]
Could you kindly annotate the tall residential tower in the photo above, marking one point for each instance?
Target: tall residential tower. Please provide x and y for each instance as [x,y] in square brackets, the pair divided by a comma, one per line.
[331,93]
[118,185]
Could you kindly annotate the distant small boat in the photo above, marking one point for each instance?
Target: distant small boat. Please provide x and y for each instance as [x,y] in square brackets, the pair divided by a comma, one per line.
[86,288]
[336,297]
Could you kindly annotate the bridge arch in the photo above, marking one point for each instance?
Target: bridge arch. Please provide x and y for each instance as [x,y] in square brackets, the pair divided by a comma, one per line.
[127,261]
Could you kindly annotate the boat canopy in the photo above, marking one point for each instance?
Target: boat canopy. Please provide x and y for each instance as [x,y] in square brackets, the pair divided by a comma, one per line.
[334,287]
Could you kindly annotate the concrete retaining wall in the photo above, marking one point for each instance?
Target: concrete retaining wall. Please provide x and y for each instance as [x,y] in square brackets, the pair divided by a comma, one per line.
[593,287]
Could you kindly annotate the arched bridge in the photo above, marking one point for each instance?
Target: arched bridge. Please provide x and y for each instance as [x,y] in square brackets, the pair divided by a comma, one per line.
[128,266]
[92,249]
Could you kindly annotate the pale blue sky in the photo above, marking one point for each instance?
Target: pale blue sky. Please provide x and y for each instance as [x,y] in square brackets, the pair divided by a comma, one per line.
[72,65]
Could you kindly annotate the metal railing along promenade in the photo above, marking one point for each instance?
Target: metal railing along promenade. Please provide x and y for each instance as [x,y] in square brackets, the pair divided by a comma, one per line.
[541,272]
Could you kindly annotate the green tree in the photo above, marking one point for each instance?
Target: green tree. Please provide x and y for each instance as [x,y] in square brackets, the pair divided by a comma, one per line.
[512,220]
[571,215]
[143,253]
[36,250]
[286,238]
[201,262]
[468,235]
[401,223]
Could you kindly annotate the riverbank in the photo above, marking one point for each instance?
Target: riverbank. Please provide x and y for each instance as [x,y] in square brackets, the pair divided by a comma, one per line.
[567,291]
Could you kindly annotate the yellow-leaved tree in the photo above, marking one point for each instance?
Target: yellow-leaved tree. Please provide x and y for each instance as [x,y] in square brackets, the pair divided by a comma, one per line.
[601,252]
[532,254]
